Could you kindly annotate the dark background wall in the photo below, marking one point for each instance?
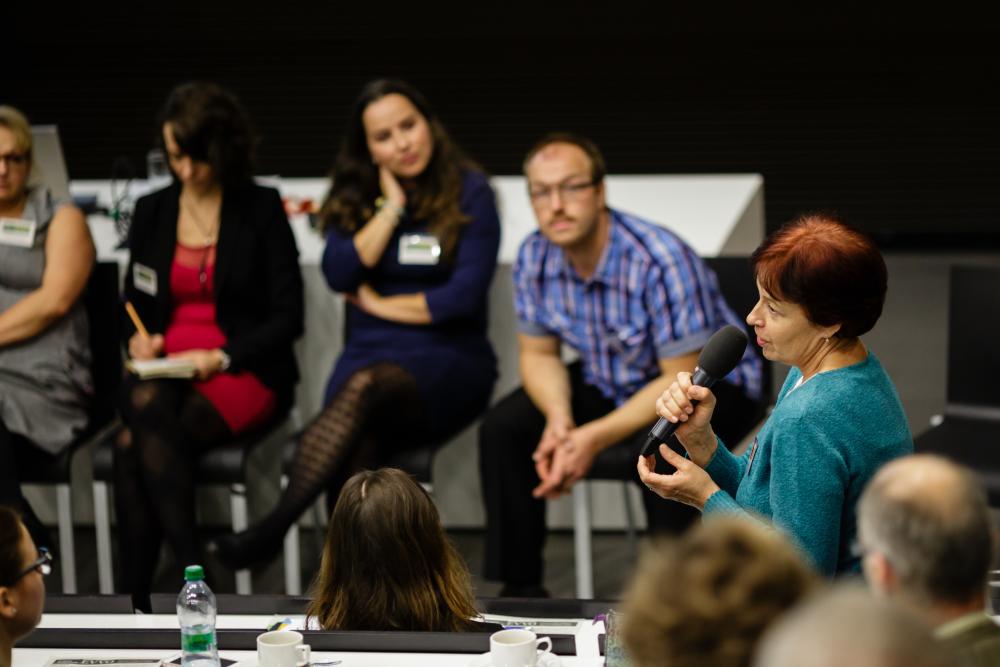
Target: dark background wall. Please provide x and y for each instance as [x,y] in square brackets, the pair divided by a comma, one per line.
[887,115]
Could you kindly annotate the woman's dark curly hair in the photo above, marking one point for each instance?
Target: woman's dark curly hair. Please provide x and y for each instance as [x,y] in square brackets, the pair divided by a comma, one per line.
[355,187]
[210,125]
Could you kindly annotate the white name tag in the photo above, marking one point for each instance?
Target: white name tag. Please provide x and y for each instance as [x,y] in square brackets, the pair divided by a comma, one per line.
[144,278]
[419,249]
[17,232]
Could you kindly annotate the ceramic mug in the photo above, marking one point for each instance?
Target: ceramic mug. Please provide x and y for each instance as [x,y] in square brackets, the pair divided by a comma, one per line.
[282,648]
[517,648]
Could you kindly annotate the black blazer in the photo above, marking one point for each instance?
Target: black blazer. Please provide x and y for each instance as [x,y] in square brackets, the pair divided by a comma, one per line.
[258,285]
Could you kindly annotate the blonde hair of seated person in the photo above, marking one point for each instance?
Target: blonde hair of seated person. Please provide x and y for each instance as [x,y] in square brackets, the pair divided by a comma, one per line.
[387,563]
[15,121]
[706,598]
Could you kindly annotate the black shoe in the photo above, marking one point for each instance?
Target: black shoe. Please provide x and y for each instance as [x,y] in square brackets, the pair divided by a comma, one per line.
[246,550]
[523,591]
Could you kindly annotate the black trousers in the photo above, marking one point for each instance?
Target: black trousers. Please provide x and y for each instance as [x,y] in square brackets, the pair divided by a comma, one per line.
[17,454]
[515,531]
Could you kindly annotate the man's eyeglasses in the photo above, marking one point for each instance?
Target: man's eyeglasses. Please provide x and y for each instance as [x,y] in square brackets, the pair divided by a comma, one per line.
[14,159]
[542,195]
[43,564]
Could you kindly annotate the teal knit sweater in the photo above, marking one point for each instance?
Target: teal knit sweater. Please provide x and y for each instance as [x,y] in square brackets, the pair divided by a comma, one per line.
[808,465]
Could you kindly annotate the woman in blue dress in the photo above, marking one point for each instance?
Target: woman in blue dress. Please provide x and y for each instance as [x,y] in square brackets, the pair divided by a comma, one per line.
[412,235]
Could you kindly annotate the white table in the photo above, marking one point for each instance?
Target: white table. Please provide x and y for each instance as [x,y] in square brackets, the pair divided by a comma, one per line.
[39,657]
[586,645]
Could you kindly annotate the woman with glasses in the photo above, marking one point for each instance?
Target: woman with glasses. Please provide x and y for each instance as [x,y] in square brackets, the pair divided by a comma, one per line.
[214,277]
[22,583]
[838,417]
[411,241]
[46,255]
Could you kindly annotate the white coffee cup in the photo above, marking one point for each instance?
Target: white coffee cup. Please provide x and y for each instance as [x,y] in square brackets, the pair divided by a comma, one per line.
[517,648]
[281,648]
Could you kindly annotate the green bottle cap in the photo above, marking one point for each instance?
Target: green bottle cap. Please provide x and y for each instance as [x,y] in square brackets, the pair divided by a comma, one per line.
[194,573]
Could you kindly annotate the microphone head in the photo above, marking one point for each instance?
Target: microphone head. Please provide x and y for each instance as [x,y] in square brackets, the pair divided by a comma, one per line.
[723,351]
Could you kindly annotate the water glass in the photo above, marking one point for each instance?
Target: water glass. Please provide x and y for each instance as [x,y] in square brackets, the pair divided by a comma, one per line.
[614,650]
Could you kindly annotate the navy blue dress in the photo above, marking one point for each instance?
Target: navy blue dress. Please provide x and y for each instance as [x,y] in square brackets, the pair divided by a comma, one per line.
[451,358]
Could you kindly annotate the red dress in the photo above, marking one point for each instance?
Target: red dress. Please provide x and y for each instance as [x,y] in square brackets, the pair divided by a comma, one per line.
[243,401]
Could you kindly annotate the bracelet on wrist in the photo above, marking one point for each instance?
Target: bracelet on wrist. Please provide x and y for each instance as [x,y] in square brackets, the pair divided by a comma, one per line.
[383,204]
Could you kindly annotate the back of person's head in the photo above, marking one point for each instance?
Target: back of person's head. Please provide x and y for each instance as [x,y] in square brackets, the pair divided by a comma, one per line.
[848,626]
[832,270]
[22,591]
[928,520]
[211,125]
[598,169]
[387,563]
[18,125]
[706,598]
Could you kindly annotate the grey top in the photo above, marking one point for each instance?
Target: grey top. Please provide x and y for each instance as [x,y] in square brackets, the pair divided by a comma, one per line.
[45,384]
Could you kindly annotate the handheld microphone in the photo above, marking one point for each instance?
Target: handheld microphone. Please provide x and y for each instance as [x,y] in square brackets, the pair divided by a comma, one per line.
[719,356]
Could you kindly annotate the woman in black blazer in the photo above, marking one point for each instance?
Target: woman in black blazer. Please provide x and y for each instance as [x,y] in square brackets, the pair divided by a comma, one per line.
[214,276]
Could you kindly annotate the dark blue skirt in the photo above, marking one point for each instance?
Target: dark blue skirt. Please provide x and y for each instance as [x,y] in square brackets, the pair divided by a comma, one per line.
[455,384]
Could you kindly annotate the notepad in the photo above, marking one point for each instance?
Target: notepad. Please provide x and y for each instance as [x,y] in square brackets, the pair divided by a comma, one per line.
[162,368]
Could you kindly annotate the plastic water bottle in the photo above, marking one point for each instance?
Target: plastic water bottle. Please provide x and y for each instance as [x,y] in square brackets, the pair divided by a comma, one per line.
[196,610]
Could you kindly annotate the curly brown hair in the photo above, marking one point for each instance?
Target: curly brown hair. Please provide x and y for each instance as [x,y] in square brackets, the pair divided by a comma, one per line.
[707,598]
[387,563]
[355,178]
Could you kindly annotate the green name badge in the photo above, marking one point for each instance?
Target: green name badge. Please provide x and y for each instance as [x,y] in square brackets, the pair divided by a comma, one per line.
[423,249]
[17,232]
[144,278]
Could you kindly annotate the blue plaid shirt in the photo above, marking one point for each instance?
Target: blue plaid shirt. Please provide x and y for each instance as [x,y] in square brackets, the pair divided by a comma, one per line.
[651,297]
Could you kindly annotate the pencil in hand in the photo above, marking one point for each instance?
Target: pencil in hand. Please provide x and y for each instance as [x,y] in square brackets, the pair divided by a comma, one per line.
[134,316]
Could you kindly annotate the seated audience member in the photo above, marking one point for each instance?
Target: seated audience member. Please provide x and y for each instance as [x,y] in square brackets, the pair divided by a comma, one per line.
[213,273]
[925,530]
[706,598]
[46,255]
[847,627]
[387,563]
[22,583]
[838,417]
[412,235]
[637,304]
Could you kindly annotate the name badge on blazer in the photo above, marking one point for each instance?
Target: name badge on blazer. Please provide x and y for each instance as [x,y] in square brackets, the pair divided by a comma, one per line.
[144,278]
[424,249]
[17,232]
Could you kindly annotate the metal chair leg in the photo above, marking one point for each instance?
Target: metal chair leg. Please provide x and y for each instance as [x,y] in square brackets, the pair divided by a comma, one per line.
[629,519]
[581,541]
[293,555]
[64,508]
[240,518]
[102,528]
[319,523]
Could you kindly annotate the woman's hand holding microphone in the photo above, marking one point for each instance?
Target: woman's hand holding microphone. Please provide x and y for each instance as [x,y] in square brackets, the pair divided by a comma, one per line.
[691,406]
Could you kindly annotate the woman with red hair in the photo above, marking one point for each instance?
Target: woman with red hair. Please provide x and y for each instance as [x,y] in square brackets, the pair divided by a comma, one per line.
[837,418]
